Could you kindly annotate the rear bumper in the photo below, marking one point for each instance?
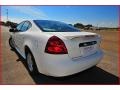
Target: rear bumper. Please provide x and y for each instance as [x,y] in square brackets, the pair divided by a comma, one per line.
[63,65]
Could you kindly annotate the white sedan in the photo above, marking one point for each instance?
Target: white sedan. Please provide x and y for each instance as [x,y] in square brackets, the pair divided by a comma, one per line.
[54,48]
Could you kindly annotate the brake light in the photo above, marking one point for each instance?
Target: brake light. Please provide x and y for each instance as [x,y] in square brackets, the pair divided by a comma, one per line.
[55,46]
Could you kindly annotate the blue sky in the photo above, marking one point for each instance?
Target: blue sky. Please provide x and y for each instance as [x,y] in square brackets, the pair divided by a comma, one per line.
[95,15]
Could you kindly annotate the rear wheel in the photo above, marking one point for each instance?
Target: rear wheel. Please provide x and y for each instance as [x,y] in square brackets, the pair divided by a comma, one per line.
[11,43]
[32,68]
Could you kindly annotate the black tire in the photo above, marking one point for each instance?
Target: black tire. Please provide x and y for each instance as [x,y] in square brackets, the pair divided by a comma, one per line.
[34,70]
[11,43]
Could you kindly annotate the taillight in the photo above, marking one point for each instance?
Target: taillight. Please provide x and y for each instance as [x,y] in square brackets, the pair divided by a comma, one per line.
[55,46]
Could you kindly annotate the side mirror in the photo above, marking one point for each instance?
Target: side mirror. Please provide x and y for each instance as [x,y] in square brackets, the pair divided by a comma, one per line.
[13,30]
[13,26]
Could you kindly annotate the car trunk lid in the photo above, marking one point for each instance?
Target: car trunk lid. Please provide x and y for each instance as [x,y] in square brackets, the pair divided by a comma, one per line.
[80,44]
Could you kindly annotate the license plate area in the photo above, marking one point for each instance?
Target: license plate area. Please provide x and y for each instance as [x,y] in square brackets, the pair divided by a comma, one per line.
[87,48]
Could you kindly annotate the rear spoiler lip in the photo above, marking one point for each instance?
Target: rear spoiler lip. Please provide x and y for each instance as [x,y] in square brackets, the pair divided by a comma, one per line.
[86,36]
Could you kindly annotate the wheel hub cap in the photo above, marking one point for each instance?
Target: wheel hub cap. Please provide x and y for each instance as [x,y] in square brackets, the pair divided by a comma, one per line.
[29,62]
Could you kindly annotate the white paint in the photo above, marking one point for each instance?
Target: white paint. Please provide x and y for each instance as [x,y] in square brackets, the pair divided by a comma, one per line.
[58,64]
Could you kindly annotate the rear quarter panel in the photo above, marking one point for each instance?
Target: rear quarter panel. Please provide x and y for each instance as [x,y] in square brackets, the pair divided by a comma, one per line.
[36,41]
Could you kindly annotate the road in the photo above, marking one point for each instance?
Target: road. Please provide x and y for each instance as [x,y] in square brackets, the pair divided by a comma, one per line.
[14,68]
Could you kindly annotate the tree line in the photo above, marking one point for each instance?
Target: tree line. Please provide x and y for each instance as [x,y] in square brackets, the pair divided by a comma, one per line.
[81,26]
[8,24]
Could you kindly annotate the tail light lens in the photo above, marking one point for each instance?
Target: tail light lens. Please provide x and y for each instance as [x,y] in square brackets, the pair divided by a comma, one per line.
[55,46]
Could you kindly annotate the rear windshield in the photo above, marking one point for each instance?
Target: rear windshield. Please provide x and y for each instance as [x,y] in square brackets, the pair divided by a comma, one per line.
[54,26]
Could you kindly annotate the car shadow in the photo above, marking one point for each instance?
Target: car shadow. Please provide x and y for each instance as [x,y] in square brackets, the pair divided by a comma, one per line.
[94,75]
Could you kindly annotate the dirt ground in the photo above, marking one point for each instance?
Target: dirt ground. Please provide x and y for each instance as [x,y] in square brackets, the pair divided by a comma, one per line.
[106,72]
[110,46]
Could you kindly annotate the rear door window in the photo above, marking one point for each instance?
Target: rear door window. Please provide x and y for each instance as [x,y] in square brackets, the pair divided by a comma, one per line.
[25,26]
[20,26]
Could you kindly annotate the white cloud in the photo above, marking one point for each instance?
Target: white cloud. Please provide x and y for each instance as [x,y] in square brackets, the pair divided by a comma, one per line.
[30,11]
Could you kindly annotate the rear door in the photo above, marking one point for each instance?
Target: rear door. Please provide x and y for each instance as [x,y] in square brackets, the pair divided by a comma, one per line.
[16,35]
[20,36]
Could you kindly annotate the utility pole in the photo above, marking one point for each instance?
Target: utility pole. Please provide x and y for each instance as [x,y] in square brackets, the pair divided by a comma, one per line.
[97,26]
[7,14]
